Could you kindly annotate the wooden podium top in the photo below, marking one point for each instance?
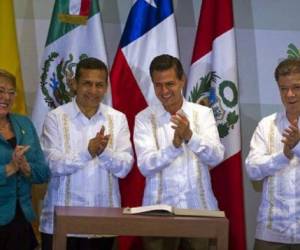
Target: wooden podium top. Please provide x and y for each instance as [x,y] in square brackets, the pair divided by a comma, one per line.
[111,221]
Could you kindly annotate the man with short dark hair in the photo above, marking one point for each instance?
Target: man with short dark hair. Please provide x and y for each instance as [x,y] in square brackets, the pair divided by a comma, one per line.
[88,149]
[177,143]
[274,158]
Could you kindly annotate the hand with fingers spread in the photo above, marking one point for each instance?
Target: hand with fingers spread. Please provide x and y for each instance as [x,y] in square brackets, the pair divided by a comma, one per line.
[182,133]
[291,137]
[98,143]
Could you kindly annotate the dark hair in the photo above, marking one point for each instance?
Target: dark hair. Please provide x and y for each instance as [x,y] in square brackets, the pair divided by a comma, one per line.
[90,63]
[287,67]
[9,76]
[165,62]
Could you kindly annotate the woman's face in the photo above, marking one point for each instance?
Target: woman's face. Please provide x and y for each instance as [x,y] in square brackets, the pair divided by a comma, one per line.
[7,96]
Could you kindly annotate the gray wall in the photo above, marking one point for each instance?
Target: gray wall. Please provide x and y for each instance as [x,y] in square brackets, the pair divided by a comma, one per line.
[263,31]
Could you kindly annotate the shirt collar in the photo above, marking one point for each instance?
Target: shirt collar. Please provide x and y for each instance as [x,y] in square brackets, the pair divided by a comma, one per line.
[281,116]
[184,106]
[75,110]
[159,110]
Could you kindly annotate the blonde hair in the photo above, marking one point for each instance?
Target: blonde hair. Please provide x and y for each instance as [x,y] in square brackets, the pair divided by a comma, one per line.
[9,76]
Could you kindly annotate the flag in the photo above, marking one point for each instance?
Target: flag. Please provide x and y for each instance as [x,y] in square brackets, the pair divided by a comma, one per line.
[150,31]
[213,81]
[9,55]
[75,32]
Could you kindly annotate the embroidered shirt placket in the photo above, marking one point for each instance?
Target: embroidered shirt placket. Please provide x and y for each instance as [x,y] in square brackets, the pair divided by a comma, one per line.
[67,150]
[159,175]
[199,167]
[271,179]
[110,145]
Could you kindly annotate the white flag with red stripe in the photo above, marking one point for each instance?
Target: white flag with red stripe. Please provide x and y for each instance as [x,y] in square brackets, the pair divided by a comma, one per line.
[75,32]
[213,82]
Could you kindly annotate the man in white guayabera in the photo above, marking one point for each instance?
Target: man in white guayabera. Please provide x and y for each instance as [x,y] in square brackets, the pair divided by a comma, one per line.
[274,158]
[87,146]
[176,142]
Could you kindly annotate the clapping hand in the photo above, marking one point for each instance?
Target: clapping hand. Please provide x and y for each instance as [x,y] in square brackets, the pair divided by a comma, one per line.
[98,143]
[182,129]
[291,137]
[19,161]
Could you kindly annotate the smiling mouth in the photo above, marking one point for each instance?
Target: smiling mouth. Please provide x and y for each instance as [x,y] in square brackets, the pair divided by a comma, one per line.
[292,103]
[166,97]
[3,105]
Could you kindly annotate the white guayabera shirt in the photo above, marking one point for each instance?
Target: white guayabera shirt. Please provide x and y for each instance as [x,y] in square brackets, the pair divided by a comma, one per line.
[278,217]
[77,179]
[177,176]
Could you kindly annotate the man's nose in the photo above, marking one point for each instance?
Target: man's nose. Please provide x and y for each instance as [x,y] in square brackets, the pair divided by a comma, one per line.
[164,89]
[290,92]
[94,88]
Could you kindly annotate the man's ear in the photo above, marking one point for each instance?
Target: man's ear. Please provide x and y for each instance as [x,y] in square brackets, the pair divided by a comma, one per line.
[183,79]
[106,88]
[72,84]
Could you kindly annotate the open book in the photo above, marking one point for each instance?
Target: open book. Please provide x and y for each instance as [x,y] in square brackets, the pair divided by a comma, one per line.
[163,209]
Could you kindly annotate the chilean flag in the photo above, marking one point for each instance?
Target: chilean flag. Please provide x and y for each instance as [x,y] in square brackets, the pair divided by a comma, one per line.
[213,82]
[150,31]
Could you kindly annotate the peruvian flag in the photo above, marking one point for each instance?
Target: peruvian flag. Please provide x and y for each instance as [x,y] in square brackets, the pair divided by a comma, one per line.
[213,82]
[149,31]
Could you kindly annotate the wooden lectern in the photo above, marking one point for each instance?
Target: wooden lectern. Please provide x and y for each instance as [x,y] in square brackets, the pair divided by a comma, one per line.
[111,221]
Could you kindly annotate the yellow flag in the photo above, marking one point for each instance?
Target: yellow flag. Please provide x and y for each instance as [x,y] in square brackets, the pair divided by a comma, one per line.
[9,54]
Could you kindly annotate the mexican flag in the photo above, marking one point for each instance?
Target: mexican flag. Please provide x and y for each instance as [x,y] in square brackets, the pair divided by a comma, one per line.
[75,32]
[213,82]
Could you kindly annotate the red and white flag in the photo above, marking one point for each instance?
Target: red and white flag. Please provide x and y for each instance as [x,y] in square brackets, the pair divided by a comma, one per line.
[213,81]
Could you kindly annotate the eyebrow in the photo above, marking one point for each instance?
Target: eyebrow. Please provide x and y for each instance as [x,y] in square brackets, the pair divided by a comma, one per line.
[9,89]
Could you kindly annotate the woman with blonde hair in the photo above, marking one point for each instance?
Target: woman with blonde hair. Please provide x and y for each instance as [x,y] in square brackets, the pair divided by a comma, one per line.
[22,163]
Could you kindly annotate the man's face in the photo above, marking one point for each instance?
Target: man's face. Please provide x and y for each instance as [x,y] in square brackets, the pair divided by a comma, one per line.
[289,87]
[90,89]
[168,89]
